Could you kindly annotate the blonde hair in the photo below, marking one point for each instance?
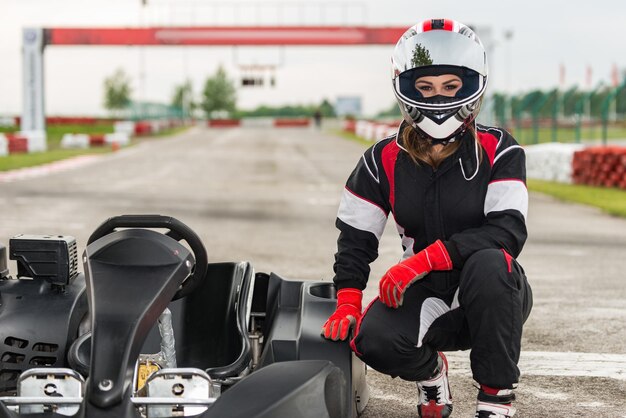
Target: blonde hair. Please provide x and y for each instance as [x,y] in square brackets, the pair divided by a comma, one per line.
[419,147]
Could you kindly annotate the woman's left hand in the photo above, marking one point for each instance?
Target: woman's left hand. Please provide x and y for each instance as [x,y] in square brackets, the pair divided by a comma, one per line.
[399,277]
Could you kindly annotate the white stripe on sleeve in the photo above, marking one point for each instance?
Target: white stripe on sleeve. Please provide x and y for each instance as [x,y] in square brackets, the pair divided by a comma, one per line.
[361,214]
[507,194]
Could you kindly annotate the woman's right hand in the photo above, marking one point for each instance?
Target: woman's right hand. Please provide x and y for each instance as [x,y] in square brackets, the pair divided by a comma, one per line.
[347,314]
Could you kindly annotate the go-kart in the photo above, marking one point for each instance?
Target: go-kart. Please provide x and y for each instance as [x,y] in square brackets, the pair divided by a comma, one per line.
[151,329]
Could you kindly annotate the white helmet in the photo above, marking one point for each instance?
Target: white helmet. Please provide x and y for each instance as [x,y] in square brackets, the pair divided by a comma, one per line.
[437,47]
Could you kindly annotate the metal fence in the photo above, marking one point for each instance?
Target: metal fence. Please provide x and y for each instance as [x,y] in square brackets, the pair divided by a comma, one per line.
[572,115]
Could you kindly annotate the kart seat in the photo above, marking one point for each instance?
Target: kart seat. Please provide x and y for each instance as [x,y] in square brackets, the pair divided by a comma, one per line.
[211,327]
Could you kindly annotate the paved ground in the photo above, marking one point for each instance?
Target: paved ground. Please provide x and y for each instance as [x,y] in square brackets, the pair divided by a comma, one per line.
[270,197]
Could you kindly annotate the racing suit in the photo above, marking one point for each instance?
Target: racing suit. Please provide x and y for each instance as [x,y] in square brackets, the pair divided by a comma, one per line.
[476,202]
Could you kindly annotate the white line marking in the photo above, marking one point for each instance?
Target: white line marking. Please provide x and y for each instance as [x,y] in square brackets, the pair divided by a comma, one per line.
[46,169]
[541,363]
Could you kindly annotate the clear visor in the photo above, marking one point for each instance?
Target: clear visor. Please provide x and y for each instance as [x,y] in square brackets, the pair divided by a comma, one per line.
[472,87]
[440,47]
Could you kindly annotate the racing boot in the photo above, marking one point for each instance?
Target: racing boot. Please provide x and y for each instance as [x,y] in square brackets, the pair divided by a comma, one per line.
[494,403]
[435,400]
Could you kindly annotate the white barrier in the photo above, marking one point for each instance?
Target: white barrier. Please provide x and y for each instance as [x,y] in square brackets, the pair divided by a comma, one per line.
[373,131]
[120,138]
[75,141]
[551,161]
[4,145]
[7,121]
[257,122]
[126,126]
[36,140]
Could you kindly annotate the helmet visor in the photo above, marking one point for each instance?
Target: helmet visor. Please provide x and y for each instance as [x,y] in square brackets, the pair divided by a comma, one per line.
[440,47]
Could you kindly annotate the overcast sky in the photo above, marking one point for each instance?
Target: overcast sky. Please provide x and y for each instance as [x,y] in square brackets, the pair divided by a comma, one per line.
[578,34]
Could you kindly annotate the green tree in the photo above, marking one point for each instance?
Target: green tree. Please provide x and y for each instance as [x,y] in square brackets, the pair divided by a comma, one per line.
[421,56]
[327,109]
[219,94]
[183,97]
[117,91]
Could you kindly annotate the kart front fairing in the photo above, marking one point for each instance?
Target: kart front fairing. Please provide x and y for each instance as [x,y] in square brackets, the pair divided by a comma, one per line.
[146,333]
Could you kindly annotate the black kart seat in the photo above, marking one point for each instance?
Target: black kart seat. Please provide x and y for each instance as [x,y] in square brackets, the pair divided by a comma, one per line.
[211,324]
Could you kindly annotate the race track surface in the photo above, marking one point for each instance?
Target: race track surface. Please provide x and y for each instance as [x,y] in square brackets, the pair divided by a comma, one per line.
[271,196]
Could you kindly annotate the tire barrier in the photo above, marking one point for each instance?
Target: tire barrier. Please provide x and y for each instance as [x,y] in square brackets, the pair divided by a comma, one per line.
[17,143]
[224,123]
[551,162]
[371,130]
[292,123]
[600,166]
[84,141]
[35,141]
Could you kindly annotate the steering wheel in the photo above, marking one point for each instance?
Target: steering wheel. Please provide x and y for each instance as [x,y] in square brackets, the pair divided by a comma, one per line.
[176,230]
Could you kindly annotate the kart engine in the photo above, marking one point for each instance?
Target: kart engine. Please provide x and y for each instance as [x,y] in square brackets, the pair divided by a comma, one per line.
[41,310]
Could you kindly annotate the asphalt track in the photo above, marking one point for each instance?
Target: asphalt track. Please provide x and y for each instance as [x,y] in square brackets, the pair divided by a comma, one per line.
[270,197]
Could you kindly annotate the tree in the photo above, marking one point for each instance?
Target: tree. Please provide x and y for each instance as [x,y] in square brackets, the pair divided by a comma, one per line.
[327,109]
[219,94]
[183,97]
[421,56]
[117,91]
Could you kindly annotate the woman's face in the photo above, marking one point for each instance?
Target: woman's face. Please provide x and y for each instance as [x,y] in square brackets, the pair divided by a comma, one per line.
[444,85]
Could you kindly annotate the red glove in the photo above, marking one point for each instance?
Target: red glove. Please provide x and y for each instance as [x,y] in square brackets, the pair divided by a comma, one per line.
[394,283]
[347,314]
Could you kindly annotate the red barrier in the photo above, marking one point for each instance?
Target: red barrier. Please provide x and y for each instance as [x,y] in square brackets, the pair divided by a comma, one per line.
[143,128]
[289,123]
[600,166]
[224,123]
[16,144]
[349,125]
[96,140]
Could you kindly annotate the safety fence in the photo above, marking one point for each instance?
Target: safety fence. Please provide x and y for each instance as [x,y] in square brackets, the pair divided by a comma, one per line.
[557,115]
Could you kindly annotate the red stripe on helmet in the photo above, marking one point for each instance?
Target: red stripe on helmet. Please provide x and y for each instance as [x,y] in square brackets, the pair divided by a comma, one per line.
[440,24]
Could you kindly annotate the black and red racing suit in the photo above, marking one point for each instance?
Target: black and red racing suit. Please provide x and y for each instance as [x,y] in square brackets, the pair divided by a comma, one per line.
[476,202]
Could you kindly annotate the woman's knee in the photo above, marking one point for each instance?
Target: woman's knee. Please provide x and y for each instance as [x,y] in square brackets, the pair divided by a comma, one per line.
[393,357]
[384,349]
[491,271]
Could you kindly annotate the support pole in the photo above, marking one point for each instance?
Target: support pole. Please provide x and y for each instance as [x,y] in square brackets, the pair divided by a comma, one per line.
[33,122]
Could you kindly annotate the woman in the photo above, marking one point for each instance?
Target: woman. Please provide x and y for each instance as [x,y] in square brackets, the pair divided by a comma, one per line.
[458,196]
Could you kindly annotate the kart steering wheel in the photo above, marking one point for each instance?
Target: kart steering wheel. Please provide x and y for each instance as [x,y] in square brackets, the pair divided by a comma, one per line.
[176,230]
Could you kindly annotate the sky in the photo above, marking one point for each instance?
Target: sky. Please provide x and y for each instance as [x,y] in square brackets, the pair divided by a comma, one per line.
[546,34]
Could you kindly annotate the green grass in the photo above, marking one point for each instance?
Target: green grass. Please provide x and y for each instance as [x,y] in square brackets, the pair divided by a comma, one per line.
[610,200]
[15,161]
